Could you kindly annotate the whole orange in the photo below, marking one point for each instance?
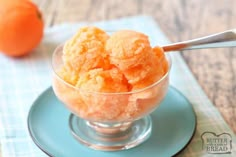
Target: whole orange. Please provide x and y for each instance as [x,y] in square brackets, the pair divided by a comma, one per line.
[21,27]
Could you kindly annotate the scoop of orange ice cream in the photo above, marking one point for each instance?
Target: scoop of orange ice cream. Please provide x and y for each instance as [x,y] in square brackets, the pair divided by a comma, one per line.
[85,50]
[68,74]
[101,80]
[131,52]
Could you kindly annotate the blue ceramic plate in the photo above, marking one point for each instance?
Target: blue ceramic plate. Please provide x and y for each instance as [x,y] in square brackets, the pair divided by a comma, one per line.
[173,127]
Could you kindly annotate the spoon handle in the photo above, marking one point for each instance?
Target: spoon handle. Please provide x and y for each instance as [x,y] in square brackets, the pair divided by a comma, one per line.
[219,40]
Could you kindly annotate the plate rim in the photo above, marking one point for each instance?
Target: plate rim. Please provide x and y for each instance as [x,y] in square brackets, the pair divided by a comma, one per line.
[30,127]
[193,131]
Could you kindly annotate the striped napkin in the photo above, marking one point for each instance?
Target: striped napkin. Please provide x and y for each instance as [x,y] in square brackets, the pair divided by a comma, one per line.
[23,79]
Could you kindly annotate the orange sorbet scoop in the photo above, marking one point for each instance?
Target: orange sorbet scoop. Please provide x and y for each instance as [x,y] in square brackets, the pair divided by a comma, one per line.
[131,52]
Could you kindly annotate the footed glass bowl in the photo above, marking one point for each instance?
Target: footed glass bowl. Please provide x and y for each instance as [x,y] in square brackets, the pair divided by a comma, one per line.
[109,121]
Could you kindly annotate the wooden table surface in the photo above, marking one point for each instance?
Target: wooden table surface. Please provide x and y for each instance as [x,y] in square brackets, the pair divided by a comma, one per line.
[215,69]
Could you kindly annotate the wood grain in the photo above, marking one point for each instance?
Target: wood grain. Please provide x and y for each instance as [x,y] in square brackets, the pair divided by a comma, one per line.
[214,69]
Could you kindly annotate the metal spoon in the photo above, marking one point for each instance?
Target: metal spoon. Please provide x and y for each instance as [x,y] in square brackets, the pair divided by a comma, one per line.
[219,40]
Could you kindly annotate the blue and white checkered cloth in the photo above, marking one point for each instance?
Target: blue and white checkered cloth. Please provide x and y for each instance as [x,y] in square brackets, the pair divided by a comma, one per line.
[23,79]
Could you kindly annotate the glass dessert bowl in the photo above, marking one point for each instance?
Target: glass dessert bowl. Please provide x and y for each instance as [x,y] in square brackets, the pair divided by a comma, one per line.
[109,121]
